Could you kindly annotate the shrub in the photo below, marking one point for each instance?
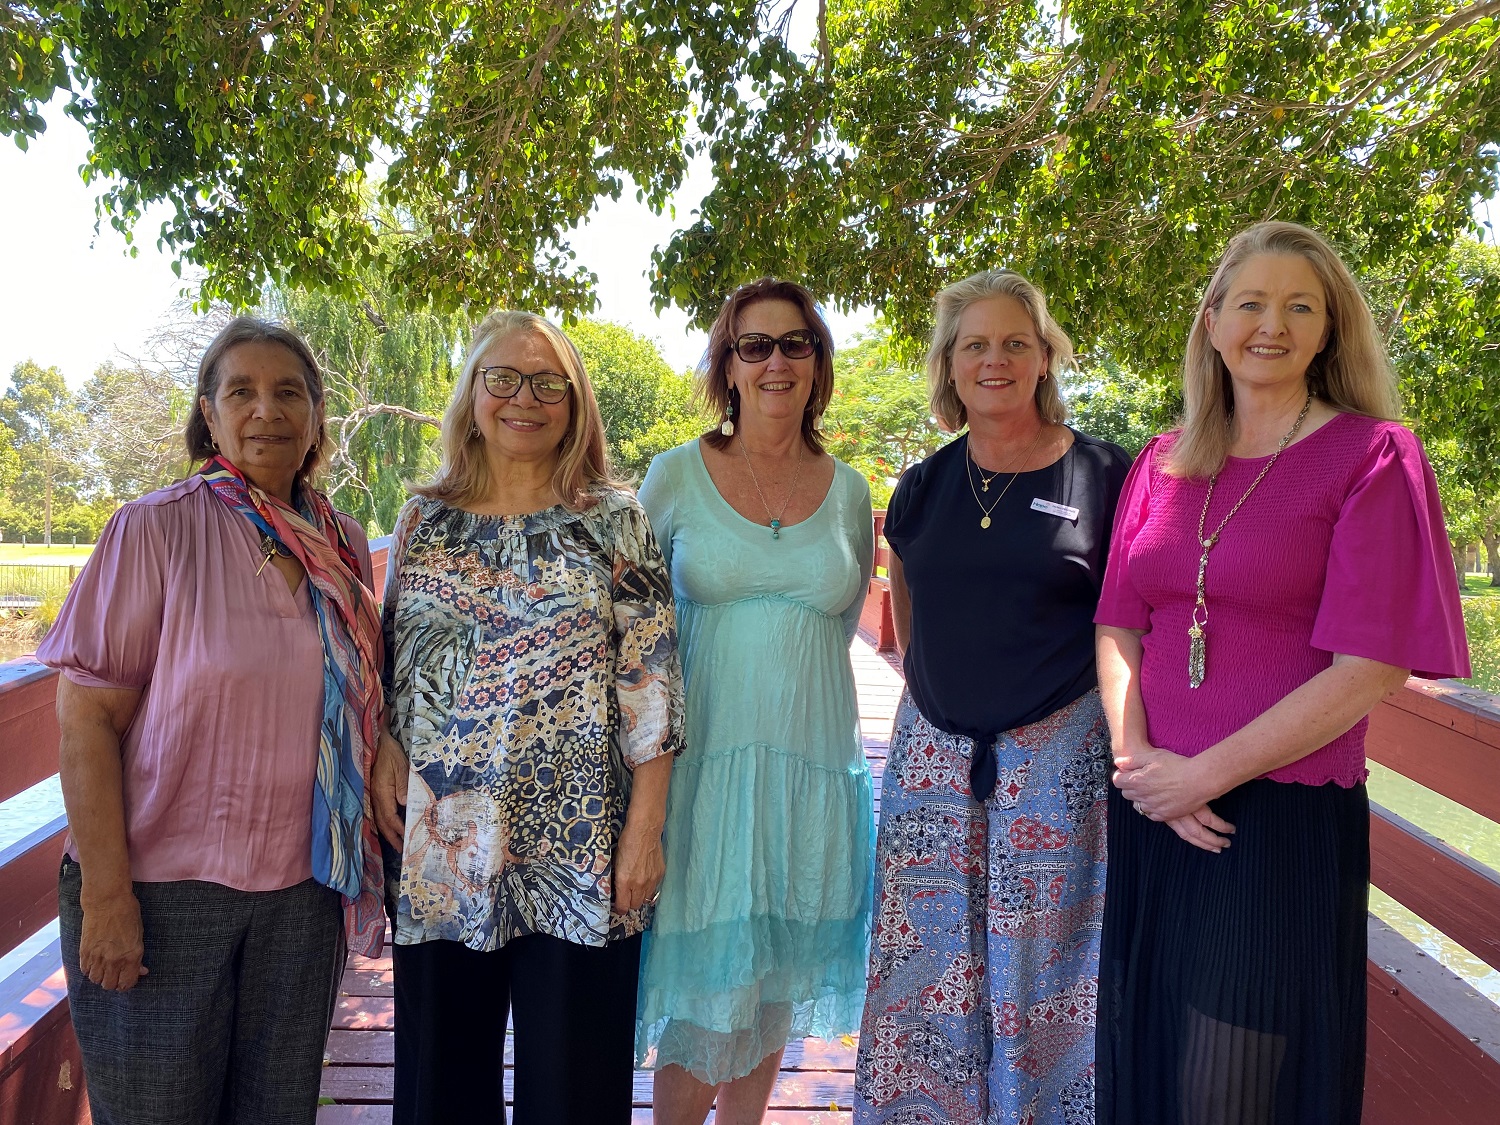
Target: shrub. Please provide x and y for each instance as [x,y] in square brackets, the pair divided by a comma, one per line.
[1482,618]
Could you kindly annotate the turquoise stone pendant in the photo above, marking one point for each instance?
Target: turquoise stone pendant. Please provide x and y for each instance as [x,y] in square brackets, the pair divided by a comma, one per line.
[775,529]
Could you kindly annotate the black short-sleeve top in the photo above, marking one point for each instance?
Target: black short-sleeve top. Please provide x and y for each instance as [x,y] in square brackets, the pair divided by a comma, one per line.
[1002,629]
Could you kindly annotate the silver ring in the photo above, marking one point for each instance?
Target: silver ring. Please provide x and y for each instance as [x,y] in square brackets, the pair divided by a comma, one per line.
[1136,805]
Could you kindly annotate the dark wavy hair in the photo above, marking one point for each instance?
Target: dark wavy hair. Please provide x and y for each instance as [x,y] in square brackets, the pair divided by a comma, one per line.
[251,330]
[713,389]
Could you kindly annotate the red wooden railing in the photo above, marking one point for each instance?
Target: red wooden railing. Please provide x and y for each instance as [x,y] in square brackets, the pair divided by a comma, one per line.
[1434,1052]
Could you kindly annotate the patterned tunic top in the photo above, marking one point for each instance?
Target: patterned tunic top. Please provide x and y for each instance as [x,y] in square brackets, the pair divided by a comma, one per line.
[531,663]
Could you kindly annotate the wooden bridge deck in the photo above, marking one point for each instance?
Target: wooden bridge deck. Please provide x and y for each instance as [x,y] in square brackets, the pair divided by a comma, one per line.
[817,1078]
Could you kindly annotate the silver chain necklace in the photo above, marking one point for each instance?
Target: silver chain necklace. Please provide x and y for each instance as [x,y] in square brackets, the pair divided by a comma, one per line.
[796,475]
[1197,651]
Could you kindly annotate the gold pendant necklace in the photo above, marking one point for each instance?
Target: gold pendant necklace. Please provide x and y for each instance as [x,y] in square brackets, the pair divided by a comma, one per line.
[1197,648]
[984,520]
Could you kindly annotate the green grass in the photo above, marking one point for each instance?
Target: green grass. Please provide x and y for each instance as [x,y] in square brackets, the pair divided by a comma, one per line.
[1478,586]
[58,553]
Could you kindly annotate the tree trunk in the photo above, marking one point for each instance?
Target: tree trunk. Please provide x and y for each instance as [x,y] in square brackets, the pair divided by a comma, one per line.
[47,505]
[1460,556]
[1491,549]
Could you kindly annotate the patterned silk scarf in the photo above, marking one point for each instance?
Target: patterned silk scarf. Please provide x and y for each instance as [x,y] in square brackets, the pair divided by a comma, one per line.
[345,851]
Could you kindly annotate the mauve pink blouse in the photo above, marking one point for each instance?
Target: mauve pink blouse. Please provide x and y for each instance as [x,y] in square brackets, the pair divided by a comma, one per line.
[1341,549]
[219,762]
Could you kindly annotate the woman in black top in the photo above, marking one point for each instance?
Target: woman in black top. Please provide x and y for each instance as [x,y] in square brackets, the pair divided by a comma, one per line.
[990,862]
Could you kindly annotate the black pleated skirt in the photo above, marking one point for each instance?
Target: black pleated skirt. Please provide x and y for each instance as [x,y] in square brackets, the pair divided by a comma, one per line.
[1232,986]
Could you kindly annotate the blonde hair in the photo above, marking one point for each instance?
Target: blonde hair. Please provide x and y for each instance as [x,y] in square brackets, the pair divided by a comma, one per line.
[949,306]
[583,468]
[1351,373]
[712,388]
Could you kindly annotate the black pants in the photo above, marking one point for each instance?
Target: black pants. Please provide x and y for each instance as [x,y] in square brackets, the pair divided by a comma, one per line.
[574,1013]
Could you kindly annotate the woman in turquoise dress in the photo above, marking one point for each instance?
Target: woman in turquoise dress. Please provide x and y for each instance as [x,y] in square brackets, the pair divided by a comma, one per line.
[763,919]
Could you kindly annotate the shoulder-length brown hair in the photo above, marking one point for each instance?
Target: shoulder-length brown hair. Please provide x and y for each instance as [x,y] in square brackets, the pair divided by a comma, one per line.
[583,467]
[251,330]
[949,306]
[713,389]
[1352,373]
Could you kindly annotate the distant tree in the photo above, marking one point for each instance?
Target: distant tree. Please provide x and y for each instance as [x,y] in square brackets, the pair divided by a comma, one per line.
[49,437]
[389,366]
[135,417]
[647,408]
[1107,401]
[878,420]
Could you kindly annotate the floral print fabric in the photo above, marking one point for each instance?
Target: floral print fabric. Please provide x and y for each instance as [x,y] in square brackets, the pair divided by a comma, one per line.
[531,665]
[984,963]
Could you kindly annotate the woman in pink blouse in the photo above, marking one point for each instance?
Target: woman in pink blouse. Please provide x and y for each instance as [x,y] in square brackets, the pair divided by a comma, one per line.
[219,705]
[1279,566]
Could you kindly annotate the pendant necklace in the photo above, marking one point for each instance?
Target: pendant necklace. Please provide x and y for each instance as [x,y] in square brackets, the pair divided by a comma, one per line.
[796,475]
[1197,650]
[271,548]
[984,520]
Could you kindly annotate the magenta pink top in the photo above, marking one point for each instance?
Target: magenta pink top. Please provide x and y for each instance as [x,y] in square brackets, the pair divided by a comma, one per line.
[1341,549]
[219,763]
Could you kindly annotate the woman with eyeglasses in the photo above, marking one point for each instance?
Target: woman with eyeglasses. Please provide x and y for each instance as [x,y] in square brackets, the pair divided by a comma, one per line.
[760,933]
[535,702]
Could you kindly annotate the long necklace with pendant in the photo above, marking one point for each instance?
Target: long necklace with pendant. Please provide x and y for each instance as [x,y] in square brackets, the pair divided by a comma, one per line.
[1197,649]
[796,475]
[969,461]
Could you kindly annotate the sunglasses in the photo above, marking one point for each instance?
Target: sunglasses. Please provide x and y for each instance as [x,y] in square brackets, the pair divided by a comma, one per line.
[505,382]
[754,347]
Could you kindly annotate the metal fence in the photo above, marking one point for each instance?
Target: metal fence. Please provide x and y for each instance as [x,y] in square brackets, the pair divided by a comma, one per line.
[24,585]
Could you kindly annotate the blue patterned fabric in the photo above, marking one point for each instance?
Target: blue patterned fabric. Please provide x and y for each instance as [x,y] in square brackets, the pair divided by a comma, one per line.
[984,963]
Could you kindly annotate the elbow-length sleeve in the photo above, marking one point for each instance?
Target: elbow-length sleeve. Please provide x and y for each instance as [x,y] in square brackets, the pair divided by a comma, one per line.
[657,501]
[862,535]
[1391,592]
[109,629]
[648,671]
[1120,605]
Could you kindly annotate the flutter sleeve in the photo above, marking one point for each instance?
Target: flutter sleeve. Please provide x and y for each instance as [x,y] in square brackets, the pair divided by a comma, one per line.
[110,626]
[1391,591]
[408,519]
[1120,605]
[648,672]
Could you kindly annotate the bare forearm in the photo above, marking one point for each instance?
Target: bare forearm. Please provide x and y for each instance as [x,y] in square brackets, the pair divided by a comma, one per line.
[1118,656]
[900,603]
[91,773]
[1308,718]
[648,795]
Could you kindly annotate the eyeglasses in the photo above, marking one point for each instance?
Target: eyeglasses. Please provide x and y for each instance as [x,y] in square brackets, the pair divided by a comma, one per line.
[754,347]
[505,382]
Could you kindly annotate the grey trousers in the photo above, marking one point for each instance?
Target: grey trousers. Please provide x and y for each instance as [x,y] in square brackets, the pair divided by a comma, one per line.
[229,1025]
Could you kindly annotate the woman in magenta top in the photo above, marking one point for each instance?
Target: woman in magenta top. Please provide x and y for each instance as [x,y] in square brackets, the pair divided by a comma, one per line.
[218,708]
[1279,565]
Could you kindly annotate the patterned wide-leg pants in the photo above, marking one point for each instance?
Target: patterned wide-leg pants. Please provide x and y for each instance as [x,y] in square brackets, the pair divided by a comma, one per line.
[984,962]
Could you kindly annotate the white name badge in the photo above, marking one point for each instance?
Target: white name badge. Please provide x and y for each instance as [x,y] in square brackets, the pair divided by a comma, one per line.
[1067,513]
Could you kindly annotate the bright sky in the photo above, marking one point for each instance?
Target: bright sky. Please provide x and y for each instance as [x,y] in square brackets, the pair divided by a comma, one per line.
[71,298]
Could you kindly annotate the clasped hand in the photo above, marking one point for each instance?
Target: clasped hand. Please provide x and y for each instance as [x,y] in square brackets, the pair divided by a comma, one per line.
[1169,788]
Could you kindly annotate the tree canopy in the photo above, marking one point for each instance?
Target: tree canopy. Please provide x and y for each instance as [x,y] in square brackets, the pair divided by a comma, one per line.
[1105,147]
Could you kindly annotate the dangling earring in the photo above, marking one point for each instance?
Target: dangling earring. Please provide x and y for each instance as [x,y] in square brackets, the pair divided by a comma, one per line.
[473,429]
[726,427]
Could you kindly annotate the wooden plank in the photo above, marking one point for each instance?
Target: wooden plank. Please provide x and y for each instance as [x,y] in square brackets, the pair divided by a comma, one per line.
[32,998]
[44,1085]
[368,982]
[799,1090]
[1439,884]
[381,1115]
[365,1013]
[28,882]
[1418,1068]
[28,725]
[1456,764]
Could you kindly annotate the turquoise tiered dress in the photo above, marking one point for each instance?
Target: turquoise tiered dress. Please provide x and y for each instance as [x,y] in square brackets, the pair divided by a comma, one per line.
[762,927]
